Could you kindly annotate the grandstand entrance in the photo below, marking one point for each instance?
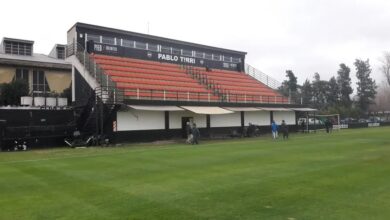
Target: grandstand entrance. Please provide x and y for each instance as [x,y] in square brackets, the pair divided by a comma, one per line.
[184,121]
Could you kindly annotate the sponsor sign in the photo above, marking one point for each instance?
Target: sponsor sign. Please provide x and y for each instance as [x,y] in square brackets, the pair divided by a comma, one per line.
[176,58]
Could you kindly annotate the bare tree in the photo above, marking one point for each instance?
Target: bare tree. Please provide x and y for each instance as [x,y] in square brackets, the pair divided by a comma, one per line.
[382,99]
[385,68]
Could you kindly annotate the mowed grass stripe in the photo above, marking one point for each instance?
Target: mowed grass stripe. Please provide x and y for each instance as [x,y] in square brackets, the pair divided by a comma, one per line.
[312,176]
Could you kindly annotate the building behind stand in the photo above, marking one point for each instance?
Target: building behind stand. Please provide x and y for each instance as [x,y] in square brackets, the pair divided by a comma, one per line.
[43,117]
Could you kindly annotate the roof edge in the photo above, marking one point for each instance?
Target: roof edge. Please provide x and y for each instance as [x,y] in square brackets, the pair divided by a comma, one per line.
[18,40]
[102,28]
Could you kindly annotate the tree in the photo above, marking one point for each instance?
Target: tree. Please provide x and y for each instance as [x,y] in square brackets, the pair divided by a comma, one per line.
[306,92]
[385,68]
[319,92]
[382,98]
[366,89]
[333,93]
[344,84]
[10,93]
[289,87]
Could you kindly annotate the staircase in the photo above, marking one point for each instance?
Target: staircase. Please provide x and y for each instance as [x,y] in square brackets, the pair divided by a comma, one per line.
[94,115]
[203,79]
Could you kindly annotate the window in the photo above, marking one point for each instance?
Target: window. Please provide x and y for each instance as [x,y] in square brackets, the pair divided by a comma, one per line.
[108,40]
[153,47]
[21,74]
[216,57]
[199,54]
[236,60]
[94,38]
[39,81]
[187,53]
[140,45]
[18,48]
[60,52]
[226,58]
[176,51]
[128,43]
[208,56]
[165,49]
[225,65]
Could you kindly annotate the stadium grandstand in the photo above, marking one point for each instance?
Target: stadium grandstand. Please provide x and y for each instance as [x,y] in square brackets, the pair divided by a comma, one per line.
[136,86]
[117,85]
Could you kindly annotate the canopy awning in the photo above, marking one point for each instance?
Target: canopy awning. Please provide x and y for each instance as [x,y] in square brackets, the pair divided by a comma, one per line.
[275,109]
[156,107]
[207,110]
[304,109]
[242,109]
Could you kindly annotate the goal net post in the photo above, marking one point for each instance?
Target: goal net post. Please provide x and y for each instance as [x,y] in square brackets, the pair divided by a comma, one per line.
[332,119]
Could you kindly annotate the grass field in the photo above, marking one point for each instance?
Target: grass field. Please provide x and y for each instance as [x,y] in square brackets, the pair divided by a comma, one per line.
[344,175]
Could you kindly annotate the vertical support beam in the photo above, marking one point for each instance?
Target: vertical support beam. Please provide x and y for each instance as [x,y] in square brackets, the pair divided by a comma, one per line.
[101,118]
[307,122]
[73,84]
[166,118]
[242,119]
[208,125]
[96,109]
[271,116]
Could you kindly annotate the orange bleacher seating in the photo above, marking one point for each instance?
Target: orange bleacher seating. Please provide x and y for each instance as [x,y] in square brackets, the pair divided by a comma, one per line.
[238,83]
[156,80]
[150,79]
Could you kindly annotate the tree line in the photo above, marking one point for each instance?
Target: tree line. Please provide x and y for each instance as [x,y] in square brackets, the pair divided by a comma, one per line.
[334,95]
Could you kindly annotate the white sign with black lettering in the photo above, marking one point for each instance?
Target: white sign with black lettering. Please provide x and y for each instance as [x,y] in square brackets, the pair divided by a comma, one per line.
[175,58]
[373,124]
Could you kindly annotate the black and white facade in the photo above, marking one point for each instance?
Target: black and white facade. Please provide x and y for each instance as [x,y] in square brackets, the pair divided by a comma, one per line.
[138,120]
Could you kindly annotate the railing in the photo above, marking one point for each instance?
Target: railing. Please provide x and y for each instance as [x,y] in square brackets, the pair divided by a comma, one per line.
[110,95]
[203,79]
[108,92]
[164,95]
[262,77]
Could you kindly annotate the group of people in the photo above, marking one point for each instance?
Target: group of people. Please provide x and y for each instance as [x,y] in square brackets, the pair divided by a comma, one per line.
[275,128]
[193,133]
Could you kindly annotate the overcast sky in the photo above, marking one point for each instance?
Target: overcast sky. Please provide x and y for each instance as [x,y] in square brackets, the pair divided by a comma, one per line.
[306,36]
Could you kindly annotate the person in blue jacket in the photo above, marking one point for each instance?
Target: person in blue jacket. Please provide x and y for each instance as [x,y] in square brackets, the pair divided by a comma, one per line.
[274,128]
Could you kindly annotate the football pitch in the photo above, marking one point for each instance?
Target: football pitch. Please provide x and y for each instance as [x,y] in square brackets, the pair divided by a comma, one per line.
[343,175]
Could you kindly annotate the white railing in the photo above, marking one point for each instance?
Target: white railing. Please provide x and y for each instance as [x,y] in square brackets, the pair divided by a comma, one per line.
[262,77]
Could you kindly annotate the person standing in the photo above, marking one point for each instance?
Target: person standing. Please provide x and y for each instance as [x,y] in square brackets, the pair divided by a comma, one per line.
[195,134]
[274,128]
[303,125]
[189,132]
[284,129]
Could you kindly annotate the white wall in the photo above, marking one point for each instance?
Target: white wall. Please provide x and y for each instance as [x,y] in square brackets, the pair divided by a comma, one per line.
[289,117]
[225,120]
[257,118]
[140,120]
[175,119]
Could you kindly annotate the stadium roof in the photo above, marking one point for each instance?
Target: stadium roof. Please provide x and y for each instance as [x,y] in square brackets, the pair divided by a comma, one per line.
[147,36]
